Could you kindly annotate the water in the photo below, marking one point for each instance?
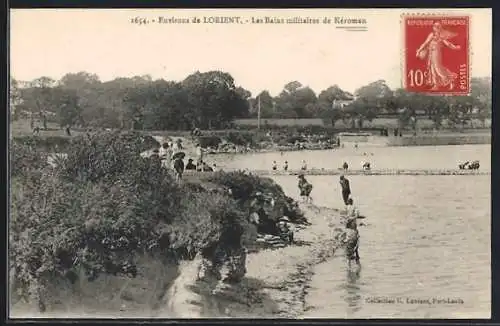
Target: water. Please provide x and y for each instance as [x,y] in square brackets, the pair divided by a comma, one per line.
[418,157]
[427,236]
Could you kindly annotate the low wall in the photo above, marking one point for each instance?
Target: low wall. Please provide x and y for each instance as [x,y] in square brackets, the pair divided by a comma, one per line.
[437,140]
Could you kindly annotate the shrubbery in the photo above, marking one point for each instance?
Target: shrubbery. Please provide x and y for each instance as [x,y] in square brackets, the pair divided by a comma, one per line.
[25,157]
[104,206]
[244,187]
[45,143]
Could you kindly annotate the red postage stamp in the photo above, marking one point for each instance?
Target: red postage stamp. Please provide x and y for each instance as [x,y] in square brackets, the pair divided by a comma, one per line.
[436,54]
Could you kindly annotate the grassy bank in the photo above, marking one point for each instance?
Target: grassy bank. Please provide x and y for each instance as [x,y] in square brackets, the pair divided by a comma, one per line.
[104,211]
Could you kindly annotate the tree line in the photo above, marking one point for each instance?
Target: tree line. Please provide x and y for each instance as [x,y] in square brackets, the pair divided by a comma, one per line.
[212,100]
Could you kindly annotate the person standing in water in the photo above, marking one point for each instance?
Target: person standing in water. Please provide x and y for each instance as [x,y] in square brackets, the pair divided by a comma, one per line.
[304,165]
[305,188]
[285,166]
[351,242]
[275,166]
[346,189]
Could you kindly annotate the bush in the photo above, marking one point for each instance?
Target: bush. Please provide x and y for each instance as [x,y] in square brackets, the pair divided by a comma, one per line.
[48,143]
[240,138]
[244,187]
[209,141]
[105,206]
[148,142]
[24,157]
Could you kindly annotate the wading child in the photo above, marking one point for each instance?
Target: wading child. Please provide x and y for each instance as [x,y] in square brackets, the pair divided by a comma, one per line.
[351,241]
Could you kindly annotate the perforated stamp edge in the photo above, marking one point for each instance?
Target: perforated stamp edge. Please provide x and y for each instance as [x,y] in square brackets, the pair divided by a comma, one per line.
[435,15]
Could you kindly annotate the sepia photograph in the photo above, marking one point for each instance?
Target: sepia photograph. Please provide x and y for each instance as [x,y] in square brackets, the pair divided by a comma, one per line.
[250,163]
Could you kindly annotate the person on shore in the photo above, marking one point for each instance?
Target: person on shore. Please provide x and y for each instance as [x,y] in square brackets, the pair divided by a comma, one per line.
[190,165]
[285,231]
[304,165]
[178,144]
[346,189]
[345,166]
[165,154]
[204,167]
[199,154]
[178,168]
[275,166]
[285,166]
[351,210]
[305,189]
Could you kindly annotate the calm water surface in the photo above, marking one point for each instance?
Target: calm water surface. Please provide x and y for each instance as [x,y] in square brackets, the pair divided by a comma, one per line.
[426,236]
[418,157]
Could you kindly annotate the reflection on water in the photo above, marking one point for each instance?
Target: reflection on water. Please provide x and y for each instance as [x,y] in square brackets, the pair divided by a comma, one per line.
[353,296]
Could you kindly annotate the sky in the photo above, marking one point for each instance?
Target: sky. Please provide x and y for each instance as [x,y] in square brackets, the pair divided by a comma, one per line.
[53,42]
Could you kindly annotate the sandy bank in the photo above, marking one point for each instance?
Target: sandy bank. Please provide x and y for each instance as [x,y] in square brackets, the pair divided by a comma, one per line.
[275,285]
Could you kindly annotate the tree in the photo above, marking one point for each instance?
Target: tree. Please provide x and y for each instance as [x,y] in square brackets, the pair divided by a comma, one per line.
[293,100]
[266,105]
[14,98]
[38,97]
[79,80]
[68,110]
[369,101]
[292,87]
[214,99]
[374,92]
[481,90]
[334,93]
[330,115]
[461,108]
[329,111]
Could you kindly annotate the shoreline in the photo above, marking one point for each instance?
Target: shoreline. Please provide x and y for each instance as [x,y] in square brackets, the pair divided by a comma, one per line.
[276,282]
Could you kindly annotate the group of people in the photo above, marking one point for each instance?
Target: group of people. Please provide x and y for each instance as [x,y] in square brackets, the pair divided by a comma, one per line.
[351,235]
[474,165]
[172,156]
[303,166]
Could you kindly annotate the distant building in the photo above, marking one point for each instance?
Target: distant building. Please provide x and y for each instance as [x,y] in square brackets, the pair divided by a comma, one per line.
[340,104]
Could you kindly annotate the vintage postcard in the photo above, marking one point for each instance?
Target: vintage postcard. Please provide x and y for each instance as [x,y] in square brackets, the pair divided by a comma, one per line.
[215,163]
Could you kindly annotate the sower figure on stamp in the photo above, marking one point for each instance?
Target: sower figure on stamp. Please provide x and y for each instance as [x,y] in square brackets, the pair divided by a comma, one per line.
[437,74]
